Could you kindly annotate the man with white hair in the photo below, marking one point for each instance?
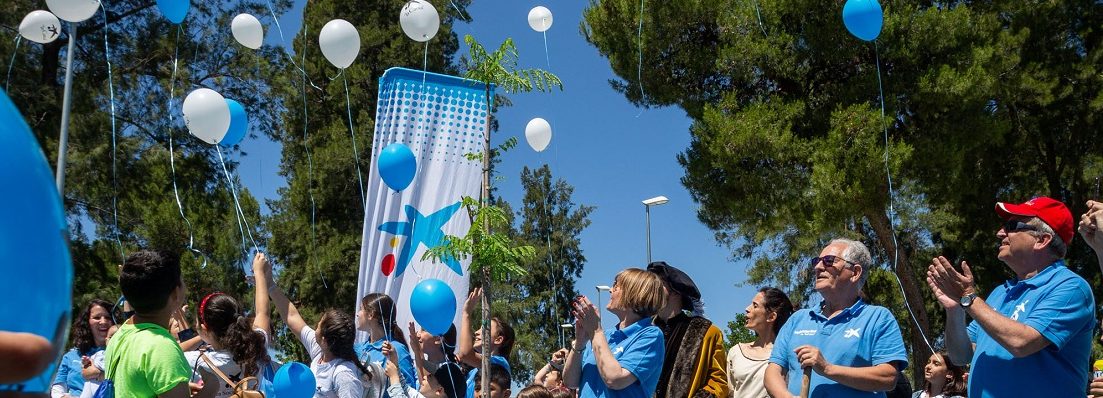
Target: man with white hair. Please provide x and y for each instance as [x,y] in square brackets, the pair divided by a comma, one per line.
[1032,336]
[695,361]
[853,349]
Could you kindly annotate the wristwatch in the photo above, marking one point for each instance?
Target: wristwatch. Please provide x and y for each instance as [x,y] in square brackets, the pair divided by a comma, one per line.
[967,300]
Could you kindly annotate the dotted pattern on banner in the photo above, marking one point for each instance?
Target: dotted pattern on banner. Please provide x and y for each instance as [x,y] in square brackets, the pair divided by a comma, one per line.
[437,123]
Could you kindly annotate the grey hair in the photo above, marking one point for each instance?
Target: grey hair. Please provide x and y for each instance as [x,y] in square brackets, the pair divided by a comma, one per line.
[1057,246]
[856,252]
[698,308]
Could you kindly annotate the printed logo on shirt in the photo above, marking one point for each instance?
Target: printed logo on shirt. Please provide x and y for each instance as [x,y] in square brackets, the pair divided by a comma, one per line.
[618,350]
[805,332]
[851,333]
[1019,308]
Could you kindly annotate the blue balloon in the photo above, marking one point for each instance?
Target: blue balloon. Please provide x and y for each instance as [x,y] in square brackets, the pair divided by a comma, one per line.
[433,305]
[239,124]
[174,10]
[294,380]
[863,18]
[34,249]
[397,166]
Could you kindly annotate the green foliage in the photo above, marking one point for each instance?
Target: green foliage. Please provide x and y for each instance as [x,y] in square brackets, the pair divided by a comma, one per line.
[493,251]
[984,101]
[737,332]
[500,69]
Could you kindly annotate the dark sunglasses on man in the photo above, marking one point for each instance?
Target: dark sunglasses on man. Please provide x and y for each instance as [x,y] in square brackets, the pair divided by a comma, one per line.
[1017,226]
[829,261]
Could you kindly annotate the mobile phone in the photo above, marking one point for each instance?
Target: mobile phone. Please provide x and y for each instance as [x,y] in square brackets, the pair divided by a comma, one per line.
[187,334]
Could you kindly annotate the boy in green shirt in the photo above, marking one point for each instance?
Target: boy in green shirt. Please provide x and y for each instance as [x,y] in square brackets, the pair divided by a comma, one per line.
[143,359]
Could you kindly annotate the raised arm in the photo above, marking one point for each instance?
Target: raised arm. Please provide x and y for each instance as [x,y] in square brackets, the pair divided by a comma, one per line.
[465,350]
[1090,224]
[287,310]
[415,350]
[261,319]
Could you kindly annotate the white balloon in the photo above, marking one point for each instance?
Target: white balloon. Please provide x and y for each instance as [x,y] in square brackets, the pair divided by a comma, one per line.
[73,10]
[340,42]
[206,115]
[540,18]
[40,27]
[538,134]
[247,31]
[420,20]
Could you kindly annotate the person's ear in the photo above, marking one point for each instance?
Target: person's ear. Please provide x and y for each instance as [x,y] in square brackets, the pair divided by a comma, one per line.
[858,272]
[772,317]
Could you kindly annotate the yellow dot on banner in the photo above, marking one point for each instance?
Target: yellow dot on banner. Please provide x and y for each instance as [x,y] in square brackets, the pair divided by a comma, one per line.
[394,242]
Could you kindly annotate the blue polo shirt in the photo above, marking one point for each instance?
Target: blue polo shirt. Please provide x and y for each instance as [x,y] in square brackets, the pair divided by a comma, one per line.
[860,336]
[1058,304]
[639,348]
[471,382]
[373,352]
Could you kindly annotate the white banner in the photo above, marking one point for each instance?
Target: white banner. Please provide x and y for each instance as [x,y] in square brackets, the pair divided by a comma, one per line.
[440,121]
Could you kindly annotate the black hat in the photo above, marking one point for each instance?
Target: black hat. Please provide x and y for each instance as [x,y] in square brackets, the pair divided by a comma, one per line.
[675,280]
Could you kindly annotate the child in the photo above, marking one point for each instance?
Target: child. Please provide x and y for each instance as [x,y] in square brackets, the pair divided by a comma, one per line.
[377,317]
[239,345]
[534,392]
[499,383]
[444,382]
[942,378]
[93,368]
[333,361]
[470,352]
[144,359]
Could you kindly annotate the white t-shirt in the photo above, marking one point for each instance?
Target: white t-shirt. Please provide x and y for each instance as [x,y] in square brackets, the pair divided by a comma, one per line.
[746,376]
[338,378]
[90,387]
[224,360]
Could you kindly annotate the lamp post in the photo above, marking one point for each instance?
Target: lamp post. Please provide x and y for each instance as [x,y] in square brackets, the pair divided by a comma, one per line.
[656,201]
[600,288]
[563,339]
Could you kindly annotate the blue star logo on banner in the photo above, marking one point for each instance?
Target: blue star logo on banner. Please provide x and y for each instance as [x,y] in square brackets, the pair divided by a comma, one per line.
[421,230]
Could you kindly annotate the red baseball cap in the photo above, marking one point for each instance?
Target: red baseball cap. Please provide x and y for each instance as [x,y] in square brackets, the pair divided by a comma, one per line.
[1052,212]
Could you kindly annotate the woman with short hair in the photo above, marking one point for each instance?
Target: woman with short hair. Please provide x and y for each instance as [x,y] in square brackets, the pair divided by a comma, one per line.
[627,361]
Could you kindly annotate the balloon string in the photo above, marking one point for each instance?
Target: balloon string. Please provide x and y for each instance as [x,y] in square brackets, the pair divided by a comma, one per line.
[459,11]
[114,144]
[237,203]
[547,216]
[892,194]
[288,53]
[355,152]
[172,155]
[758,12]
[310,179]
[18,39]
[425,63]
[639,63]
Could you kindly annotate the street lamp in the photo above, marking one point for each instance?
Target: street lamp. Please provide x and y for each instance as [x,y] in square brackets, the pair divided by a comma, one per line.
[563,339]
[600,288]
[656,201]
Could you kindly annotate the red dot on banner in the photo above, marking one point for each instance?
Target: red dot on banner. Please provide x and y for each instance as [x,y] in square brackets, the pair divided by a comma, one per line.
[388,265]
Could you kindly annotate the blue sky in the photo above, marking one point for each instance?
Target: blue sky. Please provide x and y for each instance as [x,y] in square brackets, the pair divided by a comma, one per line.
[614,155]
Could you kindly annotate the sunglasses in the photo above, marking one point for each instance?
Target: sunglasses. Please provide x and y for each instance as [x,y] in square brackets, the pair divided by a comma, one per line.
[1016,226]
[829,261]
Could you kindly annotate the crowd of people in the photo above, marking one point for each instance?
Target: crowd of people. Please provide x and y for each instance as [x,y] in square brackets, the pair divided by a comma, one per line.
[1030,336]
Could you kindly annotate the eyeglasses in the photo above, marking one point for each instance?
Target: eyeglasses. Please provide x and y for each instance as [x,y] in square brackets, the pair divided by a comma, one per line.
[829,261]
[1017,226]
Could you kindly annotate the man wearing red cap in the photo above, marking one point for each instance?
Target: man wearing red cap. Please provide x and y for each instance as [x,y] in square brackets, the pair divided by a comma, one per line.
[1032,336]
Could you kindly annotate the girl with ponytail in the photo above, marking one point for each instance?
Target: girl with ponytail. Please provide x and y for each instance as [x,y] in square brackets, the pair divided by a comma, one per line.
[239,344]
[337,372]
[377,317]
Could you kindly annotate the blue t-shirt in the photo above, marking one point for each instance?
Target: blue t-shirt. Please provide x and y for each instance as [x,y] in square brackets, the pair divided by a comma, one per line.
[373,352]
[68,371]
[494,359]
[639,348]
[860,336]
[1058,304]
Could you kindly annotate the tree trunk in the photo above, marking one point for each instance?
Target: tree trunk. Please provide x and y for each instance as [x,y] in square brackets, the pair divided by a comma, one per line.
[914,296]
[485,201]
